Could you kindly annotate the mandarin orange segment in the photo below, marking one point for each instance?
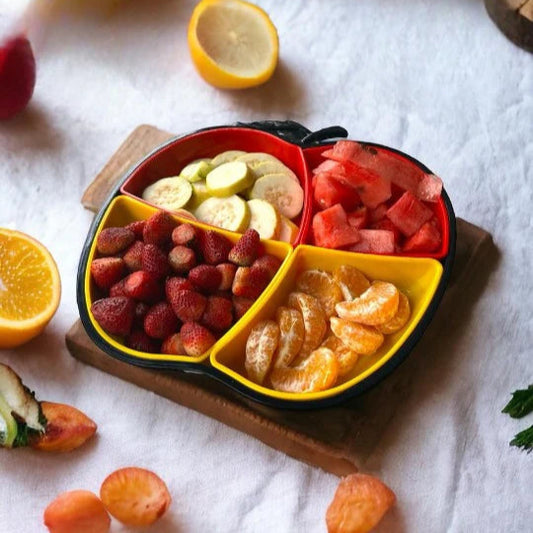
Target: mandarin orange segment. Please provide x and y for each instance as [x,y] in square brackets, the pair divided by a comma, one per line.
[291,335]
[362,339]
[260,349]
[135,496]
[377,305]
[346,357]
[399,320]
[322,286]
[319,371]
[359,504]
[351,281]
[314,320]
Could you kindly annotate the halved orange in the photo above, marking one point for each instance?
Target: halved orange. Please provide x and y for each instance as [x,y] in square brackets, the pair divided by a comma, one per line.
[30,288]
[233,44]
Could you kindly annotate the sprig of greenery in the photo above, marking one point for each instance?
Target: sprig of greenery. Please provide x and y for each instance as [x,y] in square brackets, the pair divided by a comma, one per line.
[524,440]
[520,404]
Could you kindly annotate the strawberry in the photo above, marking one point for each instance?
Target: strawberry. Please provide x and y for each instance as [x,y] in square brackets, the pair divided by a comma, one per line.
[188,305]
[142,286]
[107,271]
[185,235]
[160,321]
[133,256]
[205,277]
[111,241]
[181,259]
[214,247]
[269,263]
[158,229]
[196,339]
[140,341]
[218,315]
[154,261]
[140,312]
[172,345]
[227,270]
[117,289]
[115,315]
[246,248]
[137,227]
[250,281]
[241,305]
[173,285]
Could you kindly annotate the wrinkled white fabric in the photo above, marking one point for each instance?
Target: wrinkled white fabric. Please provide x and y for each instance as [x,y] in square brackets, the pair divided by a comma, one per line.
[435,79]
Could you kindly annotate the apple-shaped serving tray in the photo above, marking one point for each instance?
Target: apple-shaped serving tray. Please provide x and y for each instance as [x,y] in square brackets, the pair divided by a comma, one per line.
[423,277]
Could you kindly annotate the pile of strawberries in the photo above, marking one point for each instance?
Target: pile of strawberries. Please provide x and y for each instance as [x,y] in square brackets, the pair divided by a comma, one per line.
[174,288]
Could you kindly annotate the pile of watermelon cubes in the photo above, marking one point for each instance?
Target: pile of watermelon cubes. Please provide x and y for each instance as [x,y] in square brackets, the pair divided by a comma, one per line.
[372,201]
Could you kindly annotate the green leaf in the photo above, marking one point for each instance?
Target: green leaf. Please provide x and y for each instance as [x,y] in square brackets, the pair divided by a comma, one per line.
[521,403]
[524,440]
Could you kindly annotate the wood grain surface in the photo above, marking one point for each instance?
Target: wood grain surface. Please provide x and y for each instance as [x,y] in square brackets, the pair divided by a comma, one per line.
[515,20]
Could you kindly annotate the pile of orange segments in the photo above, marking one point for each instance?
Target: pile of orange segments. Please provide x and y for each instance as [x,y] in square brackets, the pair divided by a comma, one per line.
[30,288]
[233,44]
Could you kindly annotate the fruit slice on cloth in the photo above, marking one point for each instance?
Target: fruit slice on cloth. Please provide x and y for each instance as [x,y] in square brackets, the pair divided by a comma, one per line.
[233,44]
[321,285]
[169,193]
[362,339]
[260,349]
[282,192]
[228,179]
[359,504]
[314,320]
[30,288]
[315,373]
[135,496]
[264,218]
[376,306]
[230,213]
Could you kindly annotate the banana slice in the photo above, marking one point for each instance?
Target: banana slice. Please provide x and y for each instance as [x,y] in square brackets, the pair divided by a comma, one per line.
[253,159]
[226,157]
[282,192]
[197,170]
[230,213]
[273,167]
[288,230]
[169,193]
[228,179]
[264,219]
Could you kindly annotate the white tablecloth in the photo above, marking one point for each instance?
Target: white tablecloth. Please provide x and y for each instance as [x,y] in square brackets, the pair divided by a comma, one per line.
[433,78]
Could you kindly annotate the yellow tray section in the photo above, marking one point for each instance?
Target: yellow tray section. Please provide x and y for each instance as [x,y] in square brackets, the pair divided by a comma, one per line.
[123,210]
[418,278]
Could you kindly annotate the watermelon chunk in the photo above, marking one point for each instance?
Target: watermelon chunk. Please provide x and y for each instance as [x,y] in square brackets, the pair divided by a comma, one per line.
[374,241]
[329,191]
[328,165]
[358,218]
[386,224]
[342,151]
[427,239]
[378,213]
[429,188]
[332,230]
[408,214]
[372,188]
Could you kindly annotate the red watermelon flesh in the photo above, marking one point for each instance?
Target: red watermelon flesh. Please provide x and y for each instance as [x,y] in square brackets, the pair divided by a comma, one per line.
[429,188]
[427,239]
[329,191]
[328,165]
[332,230]
[372,188]
[378,213]
[386,224]
[408,214]
[358,218]
[374,241]
[342,151]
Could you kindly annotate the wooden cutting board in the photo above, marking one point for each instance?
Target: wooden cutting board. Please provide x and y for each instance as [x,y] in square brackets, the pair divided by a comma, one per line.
[515,20]
[337,439]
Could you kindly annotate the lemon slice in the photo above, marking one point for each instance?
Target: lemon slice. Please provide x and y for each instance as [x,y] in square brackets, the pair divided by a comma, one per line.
[233,44]
[30,288]
[230,213]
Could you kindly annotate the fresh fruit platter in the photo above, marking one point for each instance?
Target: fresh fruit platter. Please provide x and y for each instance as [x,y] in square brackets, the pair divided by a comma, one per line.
[298,268]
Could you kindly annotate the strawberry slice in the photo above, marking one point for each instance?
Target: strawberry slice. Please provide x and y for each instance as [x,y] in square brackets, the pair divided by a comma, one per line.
[135,496]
